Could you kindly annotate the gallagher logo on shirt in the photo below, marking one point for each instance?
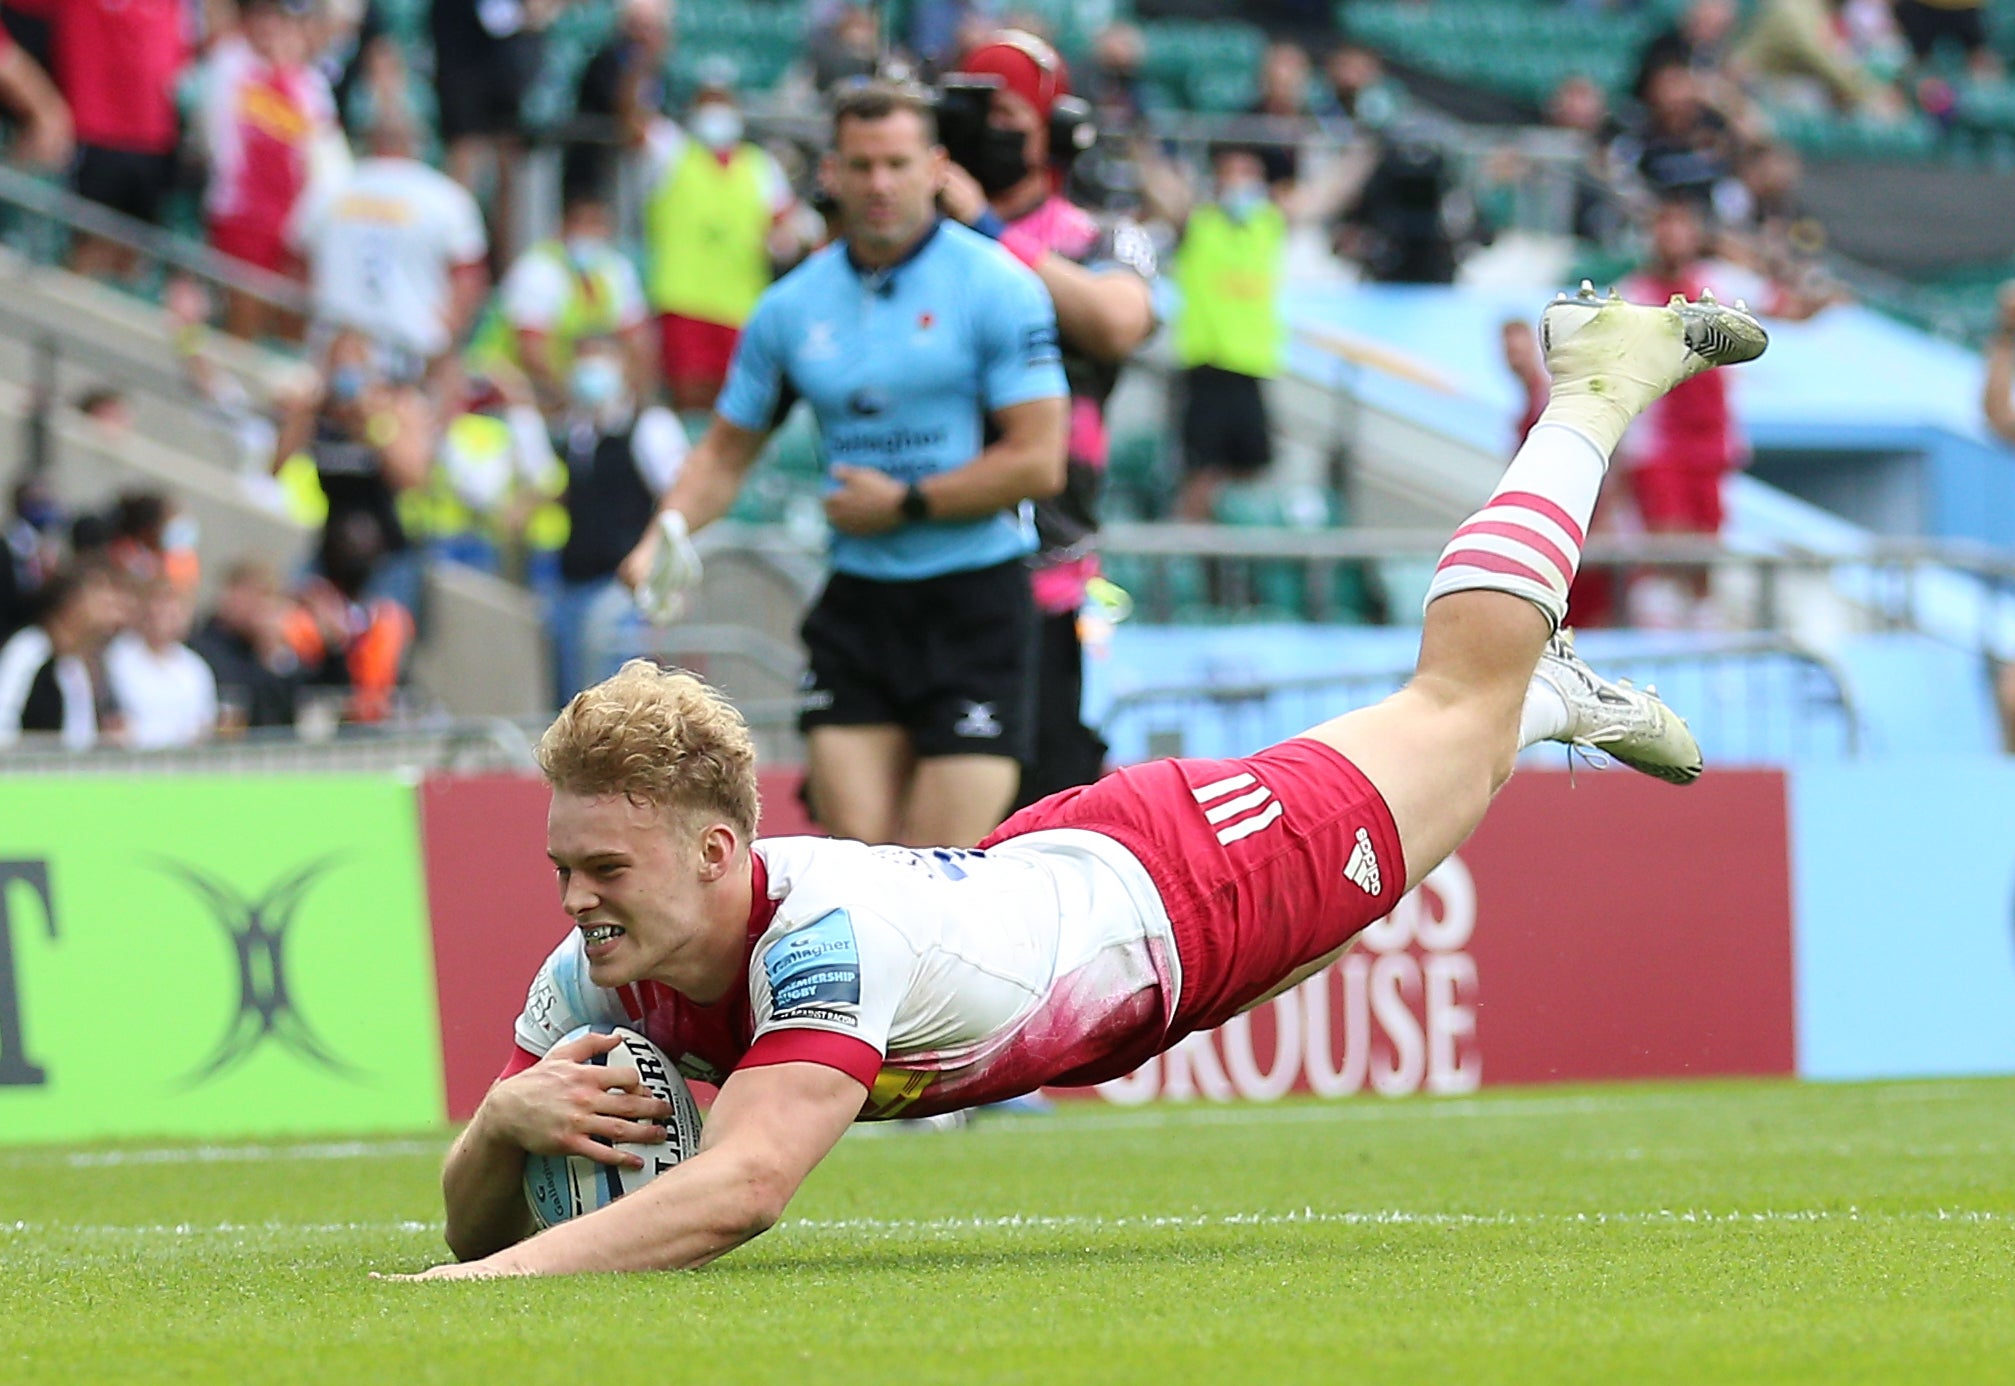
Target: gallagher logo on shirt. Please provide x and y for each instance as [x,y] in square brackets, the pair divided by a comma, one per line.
[815,972]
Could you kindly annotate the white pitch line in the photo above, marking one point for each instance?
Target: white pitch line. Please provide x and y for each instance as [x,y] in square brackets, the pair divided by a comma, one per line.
[224,1154]
[1040,1222]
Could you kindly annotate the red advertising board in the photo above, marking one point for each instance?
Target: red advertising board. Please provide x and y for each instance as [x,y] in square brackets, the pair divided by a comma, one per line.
[1597,926]
[496,911]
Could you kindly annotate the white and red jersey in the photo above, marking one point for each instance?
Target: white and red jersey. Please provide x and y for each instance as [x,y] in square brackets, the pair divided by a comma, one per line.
[261,124]
[1693,427]
[938,978]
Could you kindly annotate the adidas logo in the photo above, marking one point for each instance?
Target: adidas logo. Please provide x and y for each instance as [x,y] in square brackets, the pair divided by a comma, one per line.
[1362,868]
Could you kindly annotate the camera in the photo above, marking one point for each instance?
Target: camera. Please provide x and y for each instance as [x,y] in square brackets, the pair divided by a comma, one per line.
[994,157]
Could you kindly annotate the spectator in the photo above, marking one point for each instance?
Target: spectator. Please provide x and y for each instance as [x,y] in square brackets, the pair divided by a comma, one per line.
[1409,224]
[148,536]
[1118,93]
[1678,146]
[1796,49]
[1578,107]
[106,406]
[358,56]
[43,136]
[1356,87]
[1701,39]
[164,690]
[30,549]
[914,342]
[562,291]
[46,669]
[368,439]
[847,50]
[1285,119]
[620,458]
[486,55]
[257,671]
[716,221]
[621,95]
[117,62]
[1099,278]
[396,251]
[1961,25]
[1678,454]
[1229,333]
[494,482]
[264,112]
[345,638]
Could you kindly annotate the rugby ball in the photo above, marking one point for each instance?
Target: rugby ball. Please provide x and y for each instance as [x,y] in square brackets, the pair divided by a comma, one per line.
[559,1187]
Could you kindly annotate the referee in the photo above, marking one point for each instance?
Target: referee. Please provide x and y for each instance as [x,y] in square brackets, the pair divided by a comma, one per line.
[930,358]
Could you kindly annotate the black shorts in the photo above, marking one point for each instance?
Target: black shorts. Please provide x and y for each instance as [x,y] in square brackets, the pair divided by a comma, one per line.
[1925,25]
[124,180]
[949,659]
[483,92]
[1067,752]
[1224,426]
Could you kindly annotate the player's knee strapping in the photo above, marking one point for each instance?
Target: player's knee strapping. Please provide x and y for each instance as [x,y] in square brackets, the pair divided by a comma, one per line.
[1526,541]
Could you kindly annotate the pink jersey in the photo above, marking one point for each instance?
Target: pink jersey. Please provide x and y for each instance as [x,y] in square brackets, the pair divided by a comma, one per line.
[1067,522]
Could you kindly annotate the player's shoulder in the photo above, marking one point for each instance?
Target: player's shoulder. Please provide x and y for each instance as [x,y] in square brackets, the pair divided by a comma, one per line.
[812,283]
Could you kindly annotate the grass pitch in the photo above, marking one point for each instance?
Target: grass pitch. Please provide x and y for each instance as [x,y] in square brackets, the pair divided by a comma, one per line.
[1714,1232]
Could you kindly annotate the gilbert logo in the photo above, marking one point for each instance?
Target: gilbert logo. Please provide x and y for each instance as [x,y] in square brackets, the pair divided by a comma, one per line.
[258,929]
[979,721]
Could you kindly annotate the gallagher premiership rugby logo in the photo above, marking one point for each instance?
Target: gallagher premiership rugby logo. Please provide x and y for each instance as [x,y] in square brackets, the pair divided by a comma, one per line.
[257,929]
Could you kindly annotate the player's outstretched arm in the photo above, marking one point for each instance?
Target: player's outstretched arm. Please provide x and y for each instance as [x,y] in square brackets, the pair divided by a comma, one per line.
[558,1106]
[769,1127]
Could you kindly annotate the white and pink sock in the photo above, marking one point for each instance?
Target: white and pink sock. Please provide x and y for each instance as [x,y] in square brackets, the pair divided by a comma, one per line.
[1526,541]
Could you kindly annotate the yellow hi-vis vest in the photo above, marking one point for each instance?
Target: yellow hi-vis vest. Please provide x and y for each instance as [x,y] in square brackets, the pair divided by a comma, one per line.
[1229,273]
[591,310]
[706,231]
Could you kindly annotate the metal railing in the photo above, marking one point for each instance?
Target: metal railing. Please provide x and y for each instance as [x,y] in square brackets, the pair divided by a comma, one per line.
[46,216]
[1750,700]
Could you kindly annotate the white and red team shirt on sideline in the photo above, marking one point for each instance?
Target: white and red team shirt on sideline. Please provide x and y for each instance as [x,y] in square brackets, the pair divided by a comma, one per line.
[260,125]
[1693,427]
[938,978]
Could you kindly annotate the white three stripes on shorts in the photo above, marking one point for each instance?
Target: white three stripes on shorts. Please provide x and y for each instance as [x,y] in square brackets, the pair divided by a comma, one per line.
[1240,803]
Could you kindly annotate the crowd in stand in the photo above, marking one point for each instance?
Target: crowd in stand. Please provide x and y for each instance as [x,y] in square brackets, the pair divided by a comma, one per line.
[513,406]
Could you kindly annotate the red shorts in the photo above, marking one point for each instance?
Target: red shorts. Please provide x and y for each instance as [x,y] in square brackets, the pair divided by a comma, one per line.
[1264,864]
[691,350]
[1679,500]
[264,246]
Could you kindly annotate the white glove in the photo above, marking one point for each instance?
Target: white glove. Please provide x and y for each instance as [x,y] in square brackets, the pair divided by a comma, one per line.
[675,571]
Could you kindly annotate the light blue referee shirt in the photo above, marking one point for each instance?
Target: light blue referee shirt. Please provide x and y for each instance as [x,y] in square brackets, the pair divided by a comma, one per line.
[902,366]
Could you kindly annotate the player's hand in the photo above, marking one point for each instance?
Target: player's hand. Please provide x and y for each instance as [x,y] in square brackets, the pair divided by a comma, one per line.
[961,196]
[2007,305]
[866,502]
[561,1104]
[663,569]
[457,1270]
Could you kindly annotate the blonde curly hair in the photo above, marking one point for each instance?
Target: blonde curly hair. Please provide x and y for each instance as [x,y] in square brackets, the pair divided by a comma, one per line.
[656,736]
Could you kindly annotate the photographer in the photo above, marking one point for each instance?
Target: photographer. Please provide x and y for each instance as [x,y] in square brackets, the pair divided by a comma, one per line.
[1011,127]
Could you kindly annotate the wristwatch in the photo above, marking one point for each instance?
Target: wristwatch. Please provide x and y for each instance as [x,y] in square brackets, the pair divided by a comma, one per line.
[915,506]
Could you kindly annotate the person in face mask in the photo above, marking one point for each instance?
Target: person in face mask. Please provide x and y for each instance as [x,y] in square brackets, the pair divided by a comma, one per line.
[1098,271]
[369,440]
[717,228]
[561,292]
[619,459]
[1230,333]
